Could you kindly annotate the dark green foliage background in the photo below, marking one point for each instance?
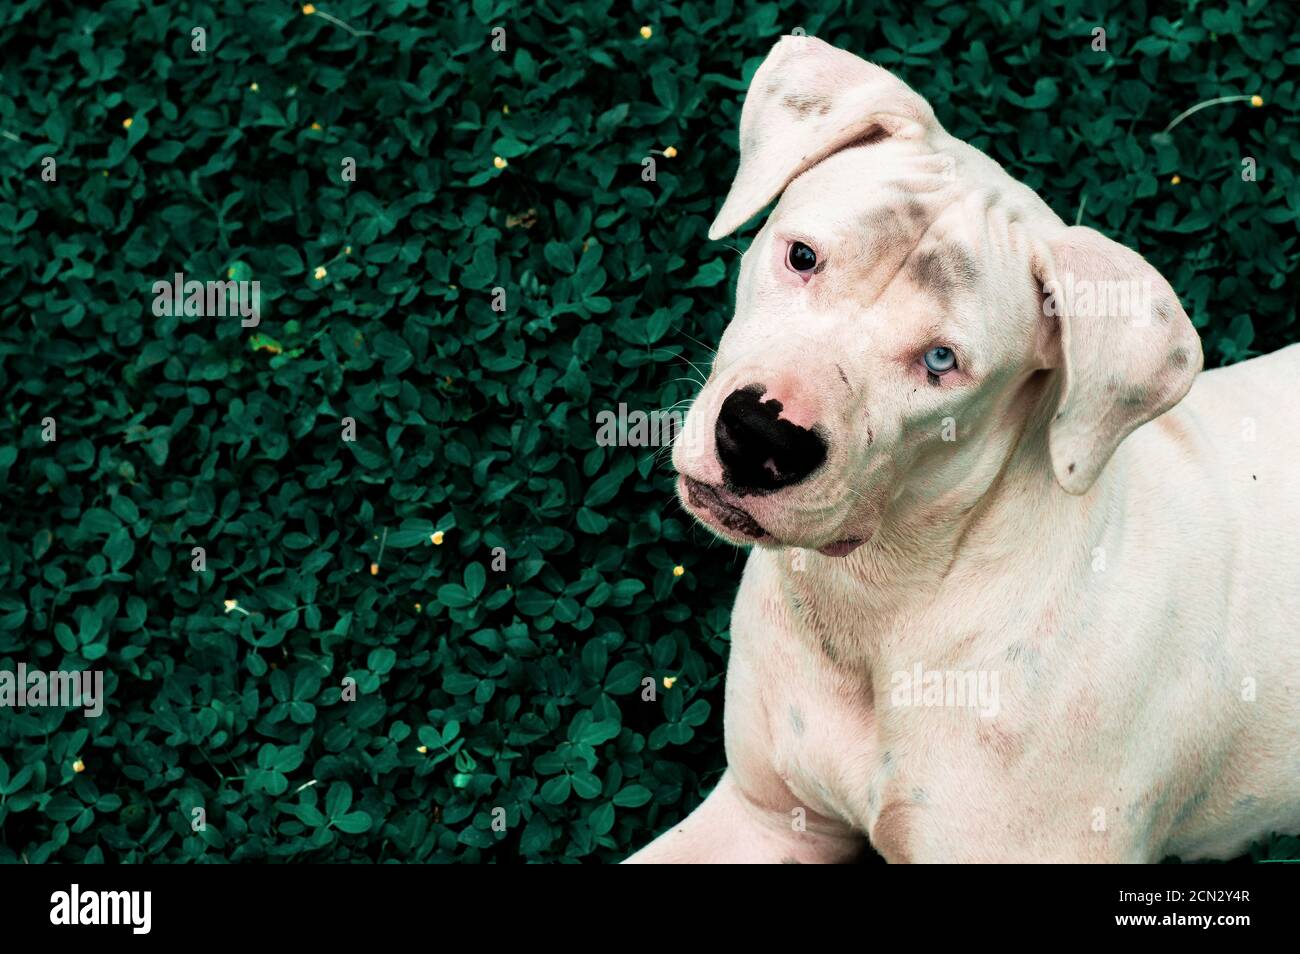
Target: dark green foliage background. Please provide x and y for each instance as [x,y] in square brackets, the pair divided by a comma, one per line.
[524,685]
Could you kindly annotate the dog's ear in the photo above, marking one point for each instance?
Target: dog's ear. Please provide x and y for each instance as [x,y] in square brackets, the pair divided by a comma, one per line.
[806,101]
[1126,348]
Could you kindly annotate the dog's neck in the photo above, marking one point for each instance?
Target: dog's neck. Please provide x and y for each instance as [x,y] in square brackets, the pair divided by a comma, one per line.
[1010,518]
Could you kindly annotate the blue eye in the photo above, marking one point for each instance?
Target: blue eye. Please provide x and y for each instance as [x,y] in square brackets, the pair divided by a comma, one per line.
[940,360]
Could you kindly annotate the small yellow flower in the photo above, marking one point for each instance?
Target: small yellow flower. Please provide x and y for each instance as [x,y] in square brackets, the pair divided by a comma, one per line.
[679,570]
[505,110]
[670,152]
[105,173]
[1175,180]
[419,608]
[78,766]
[309,9]
[315,127]
[499,162]
[253,86]
[374,569]
[126,123]
[232,605]
[646,33]
[347,249]
[320,273]
[422,749]
[437,538]
[668,681]
[1257,100]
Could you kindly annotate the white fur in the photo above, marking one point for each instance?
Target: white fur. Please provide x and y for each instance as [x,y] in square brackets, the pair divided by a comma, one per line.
[1120,550]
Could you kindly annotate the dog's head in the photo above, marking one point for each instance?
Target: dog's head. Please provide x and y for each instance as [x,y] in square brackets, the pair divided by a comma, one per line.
[893,312]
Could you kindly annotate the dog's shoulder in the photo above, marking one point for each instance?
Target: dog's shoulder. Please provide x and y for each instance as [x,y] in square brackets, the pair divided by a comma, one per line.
[1271,376]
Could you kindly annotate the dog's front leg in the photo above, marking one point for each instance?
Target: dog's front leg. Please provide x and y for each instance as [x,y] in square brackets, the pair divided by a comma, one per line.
[729,828]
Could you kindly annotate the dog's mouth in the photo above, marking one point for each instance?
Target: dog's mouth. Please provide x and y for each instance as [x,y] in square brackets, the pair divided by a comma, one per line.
[716,508]
[708,504]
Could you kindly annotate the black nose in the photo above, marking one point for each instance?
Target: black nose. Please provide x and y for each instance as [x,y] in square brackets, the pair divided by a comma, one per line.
[758,450]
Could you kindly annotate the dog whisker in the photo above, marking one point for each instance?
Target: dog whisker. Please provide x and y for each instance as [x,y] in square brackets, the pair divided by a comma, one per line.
[712,351]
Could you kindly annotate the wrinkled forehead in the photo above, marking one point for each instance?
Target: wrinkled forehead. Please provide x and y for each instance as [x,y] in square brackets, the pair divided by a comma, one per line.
[885,212]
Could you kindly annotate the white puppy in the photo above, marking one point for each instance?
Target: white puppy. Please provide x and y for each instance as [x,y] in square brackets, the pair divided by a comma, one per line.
[1026,585]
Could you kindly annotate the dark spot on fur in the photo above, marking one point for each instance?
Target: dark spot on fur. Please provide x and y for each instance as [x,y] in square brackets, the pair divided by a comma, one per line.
[882,229]
[1189,808]
[787,860]
[828,647]
[932,378]
[805,104]
[882,220]
[1070,469]
[1178,358]
[817,269]
[892,226]
[944,270]
[844,377]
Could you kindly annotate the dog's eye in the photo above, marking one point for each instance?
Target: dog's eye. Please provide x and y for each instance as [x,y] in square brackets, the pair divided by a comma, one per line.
[802,258]
[940,360]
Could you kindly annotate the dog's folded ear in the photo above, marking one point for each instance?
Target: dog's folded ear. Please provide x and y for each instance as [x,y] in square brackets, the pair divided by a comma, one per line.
[806,101]
[1127,350]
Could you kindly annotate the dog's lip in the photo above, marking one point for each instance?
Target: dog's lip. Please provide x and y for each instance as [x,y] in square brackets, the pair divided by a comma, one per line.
[711,505]
[707,503]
